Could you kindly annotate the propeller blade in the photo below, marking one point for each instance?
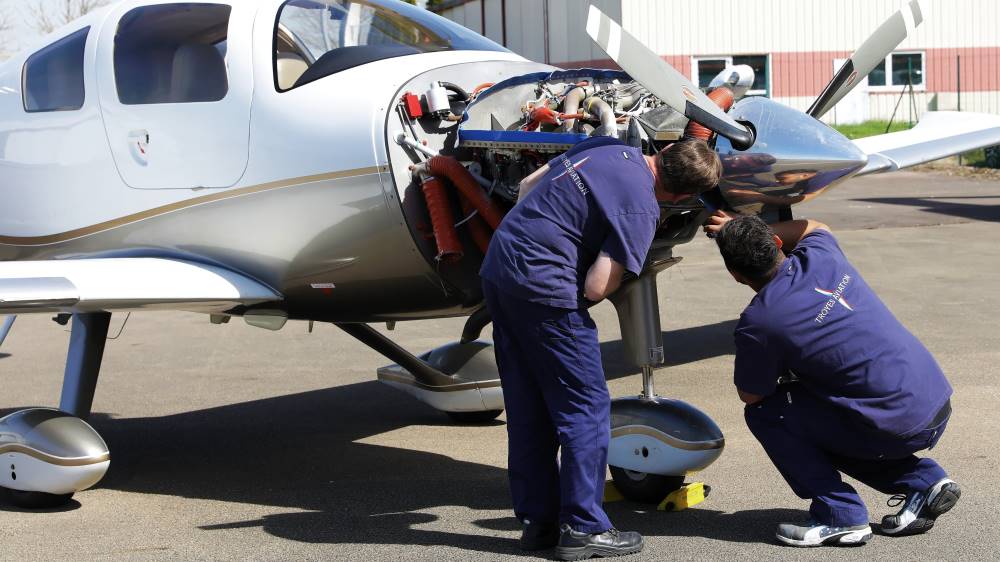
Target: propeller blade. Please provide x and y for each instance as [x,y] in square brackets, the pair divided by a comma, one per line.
[873,51]
[7,325]
[663,80]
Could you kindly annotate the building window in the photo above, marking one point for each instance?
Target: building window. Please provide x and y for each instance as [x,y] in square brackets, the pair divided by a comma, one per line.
[905,68]
[706,68]
[53,77]
[172,53]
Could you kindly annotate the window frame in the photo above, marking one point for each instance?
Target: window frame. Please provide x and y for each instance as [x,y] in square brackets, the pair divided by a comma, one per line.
[83,72]
[889,87]
[766,92]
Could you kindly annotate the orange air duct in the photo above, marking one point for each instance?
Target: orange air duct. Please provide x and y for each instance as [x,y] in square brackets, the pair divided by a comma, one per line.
[723,97]
[453,170]
[481,234]
[442,220]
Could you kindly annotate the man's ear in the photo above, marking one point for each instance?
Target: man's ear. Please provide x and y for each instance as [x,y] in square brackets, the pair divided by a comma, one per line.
[778,241]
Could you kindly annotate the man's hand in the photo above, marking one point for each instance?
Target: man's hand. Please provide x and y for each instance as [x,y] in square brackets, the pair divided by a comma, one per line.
[714,223]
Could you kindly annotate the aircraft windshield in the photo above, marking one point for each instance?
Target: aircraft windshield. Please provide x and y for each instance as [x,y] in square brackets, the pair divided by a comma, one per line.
[317,38]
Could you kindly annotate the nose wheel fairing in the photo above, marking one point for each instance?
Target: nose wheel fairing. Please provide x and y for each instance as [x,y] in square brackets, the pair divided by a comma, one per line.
[662,436]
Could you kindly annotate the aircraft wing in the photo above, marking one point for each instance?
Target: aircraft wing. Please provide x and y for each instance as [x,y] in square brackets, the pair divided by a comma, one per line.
[91,285]
[939,134]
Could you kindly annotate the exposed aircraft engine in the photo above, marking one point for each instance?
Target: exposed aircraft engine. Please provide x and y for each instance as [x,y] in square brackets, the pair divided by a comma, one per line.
[521,123]
[48,455]
[461,151]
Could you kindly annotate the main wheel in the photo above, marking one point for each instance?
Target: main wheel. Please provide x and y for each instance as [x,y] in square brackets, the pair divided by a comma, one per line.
[37,500]
[643,487]
[474,418]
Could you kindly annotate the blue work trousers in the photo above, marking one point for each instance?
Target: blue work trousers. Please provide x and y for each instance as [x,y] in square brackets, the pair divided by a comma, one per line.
[812,442]
[558,411]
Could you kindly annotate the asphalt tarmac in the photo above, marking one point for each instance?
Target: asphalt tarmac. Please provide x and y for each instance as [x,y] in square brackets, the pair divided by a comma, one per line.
[233,443]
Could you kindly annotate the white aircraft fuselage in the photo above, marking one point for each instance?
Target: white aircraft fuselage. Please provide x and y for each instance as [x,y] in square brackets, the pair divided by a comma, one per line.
[291,188]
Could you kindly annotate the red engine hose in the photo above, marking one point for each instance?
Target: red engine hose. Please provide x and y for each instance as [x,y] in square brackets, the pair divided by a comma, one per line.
[442,220]
[453,170]
[723,97]
[481,234]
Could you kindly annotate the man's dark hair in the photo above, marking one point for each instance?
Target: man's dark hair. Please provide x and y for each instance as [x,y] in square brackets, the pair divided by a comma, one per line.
[689,166]
[747,246]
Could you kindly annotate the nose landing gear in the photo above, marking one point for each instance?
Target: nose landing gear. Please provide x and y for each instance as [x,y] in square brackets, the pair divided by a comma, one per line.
[655,442]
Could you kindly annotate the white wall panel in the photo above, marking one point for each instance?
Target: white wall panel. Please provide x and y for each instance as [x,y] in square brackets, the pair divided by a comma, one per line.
[881,105]
[494,20]
[742,26]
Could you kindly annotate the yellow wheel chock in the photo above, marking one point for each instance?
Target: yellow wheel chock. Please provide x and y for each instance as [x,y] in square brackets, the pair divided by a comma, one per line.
[686,496]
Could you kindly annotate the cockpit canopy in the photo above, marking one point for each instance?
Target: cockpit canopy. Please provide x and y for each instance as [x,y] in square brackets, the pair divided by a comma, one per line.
[317,38]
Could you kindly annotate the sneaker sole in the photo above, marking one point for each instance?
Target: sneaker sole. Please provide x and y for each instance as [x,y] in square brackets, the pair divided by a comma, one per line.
[945,499]
[586,552]
[847,538]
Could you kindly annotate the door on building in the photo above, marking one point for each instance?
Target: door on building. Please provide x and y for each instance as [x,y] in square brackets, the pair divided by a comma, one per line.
[703,69]
[175,86]
[854,107]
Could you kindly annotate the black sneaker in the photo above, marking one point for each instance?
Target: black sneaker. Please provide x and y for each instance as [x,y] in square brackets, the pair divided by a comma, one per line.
[812,533]
[921,508]
[539,536]
[574,545]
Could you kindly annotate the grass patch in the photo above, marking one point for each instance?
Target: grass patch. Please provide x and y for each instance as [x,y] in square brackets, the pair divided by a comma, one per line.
[870,128]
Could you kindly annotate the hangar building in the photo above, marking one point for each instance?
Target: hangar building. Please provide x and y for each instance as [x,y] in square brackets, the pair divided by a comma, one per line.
[793,45]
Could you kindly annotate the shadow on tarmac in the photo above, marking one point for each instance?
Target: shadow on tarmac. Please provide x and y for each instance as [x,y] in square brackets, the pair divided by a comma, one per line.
[680,347]
[946,206]
[4,355]
[304,452]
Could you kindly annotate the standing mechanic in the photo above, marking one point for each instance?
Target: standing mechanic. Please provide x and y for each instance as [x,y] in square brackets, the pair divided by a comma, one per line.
[583,220]
[864,396]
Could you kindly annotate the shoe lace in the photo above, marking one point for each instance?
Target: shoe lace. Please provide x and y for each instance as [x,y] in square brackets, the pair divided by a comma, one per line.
[614,533]
[896,500]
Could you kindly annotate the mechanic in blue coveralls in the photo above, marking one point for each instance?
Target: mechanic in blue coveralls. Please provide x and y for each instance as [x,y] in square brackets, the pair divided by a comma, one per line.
[581,222]
[833,383]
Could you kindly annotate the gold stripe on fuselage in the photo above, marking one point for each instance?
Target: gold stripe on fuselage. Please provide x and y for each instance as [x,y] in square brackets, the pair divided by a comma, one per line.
[164,209]
[52,459]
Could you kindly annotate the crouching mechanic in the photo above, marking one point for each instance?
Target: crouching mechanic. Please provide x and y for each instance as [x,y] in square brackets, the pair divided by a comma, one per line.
[583,220]
[833,383]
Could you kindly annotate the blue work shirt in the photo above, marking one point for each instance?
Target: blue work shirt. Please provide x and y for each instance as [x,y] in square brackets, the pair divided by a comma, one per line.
[596,198]
[818,319]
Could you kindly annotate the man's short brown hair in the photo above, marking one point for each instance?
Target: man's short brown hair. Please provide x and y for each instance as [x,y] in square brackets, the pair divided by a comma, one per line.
[688,166]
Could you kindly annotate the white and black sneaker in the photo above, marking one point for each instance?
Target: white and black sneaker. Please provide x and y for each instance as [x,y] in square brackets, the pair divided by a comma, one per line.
[812,533]
[921,508]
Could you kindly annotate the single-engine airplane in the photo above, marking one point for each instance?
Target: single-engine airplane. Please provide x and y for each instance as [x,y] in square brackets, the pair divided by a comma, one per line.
[345,161]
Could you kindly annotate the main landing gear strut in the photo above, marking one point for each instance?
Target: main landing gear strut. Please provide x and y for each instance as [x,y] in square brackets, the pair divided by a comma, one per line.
[655,441]
[48,455]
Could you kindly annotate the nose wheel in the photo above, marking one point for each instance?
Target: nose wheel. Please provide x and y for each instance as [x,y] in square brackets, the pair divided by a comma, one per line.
[643,487]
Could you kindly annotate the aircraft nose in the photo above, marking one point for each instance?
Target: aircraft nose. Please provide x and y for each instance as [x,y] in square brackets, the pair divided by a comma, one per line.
[794,158]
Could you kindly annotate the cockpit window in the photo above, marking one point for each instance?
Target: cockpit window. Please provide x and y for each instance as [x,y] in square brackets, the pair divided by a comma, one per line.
[172,53]
[53,77]
[317,38]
